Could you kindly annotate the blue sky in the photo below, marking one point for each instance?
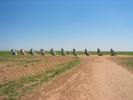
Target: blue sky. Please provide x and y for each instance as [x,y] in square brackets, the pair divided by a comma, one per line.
[66,24]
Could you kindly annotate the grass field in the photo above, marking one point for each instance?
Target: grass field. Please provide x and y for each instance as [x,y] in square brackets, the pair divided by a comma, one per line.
[14,89]
[20,74]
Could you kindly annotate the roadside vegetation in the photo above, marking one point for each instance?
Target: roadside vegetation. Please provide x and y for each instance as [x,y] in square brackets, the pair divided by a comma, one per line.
[15,89]
[127,62]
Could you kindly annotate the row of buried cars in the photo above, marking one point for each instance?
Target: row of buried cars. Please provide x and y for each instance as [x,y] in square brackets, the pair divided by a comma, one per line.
[63,53]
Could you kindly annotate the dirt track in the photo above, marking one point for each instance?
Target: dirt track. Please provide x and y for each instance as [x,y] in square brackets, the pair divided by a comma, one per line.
[97,78]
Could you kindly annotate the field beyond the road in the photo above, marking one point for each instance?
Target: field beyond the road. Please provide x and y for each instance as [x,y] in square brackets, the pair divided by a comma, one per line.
[20,75]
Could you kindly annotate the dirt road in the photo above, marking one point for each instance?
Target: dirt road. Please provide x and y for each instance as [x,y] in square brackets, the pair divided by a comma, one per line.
[97,78]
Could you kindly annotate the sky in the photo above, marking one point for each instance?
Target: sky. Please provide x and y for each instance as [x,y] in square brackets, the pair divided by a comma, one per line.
[66,24]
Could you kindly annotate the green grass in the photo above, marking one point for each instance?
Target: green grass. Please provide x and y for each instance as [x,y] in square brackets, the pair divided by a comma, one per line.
[124,53]
[5,53]
[14,90]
